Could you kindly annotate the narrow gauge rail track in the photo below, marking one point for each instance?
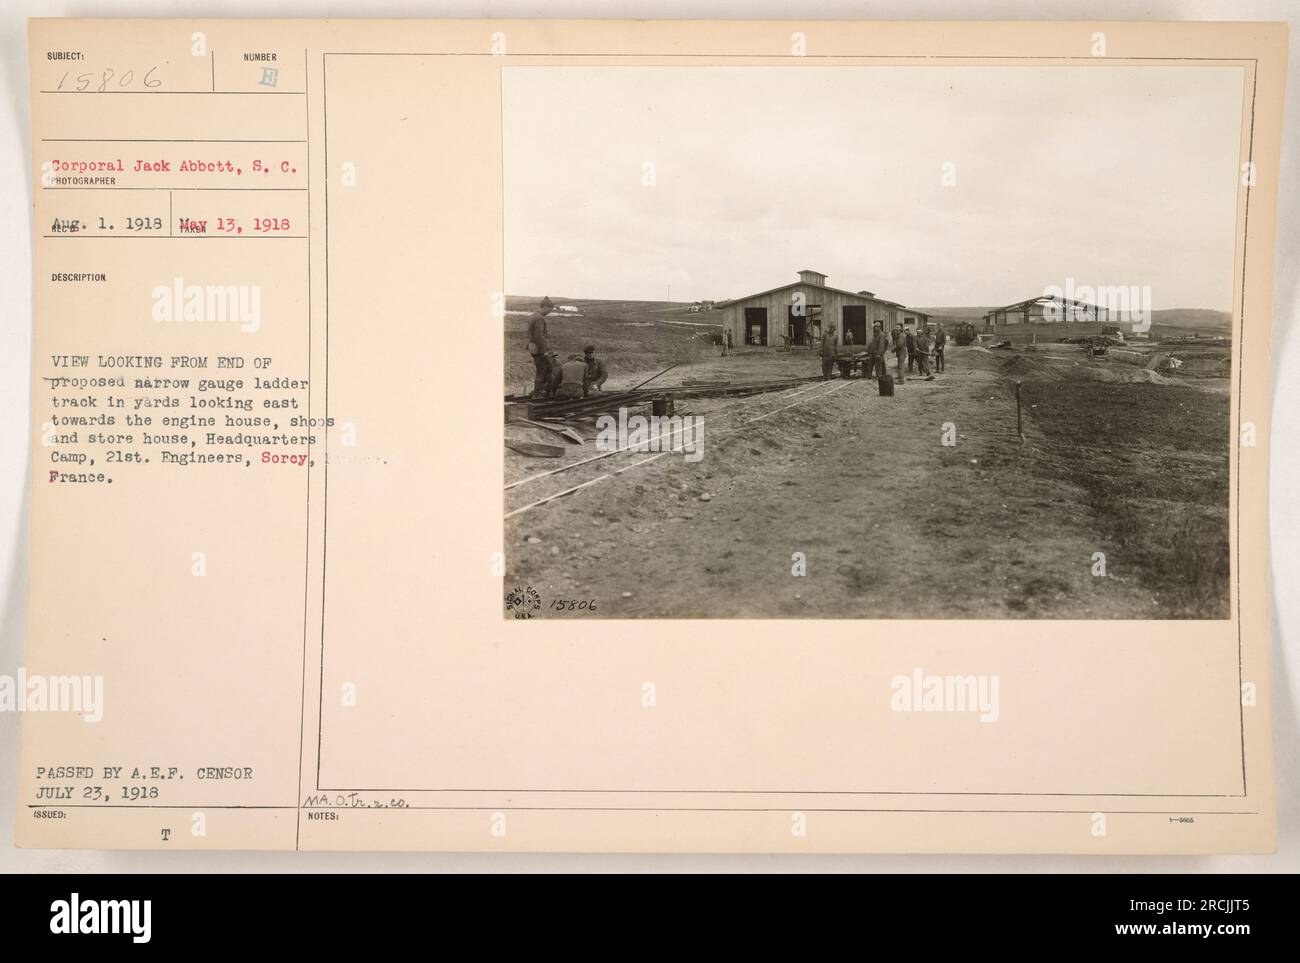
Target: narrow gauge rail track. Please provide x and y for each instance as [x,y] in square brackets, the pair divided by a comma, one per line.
[542,488]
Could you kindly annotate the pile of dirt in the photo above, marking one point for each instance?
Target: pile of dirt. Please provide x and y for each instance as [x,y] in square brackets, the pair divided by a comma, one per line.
[1119,374]
[1021,368]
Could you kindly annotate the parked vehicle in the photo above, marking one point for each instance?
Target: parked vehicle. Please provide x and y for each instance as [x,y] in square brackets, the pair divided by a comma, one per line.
[850,357]
[1096,347]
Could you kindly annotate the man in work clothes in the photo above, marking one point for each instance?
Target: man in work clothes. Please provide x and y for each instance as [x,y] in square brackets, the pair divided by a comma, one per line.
[923,353]
[911,351]
[879,350]
[828,350]
[596,374]
[552,373]
[538,346]
[940,339]
[568,379]
[900,353]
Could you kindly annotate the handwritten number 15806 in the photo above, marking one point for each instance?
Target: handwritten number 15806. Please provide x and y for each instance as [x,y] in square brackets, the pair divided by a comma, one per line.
[107,79]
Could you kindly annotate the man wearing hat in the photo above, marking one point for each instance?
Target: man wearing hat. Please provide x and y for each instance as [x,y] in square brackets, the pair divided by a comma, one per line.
[596,374]
[568,379]
[923,353]
[828,350]
[539,347]
[879,350]
[900,353]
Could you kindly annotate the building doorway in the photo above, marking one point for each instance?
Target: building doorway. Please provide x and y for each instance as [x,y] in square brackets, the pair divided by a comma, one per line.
[756,326]
[854,320]
[798,326]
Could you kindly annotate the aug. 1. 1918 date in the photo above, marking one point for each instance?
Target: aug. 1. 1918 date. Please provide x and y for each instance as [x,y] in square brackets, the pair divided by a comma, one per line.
[184,225]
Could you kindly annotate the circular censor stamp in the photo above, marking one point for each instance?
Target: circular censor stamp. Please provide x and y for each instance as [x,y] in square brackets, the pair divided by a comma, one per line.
[523,602]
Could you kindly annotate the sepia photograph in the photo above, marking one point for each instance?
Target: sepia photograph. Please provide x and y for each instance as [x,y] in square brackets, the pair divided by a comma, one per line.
[879,342]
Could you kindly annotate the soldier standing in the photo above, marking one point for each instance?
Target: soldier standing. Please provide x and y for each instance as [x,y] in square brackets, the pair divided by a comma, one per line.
[828,350]
[879,350]
[900,353]
[923,353]
[539,347]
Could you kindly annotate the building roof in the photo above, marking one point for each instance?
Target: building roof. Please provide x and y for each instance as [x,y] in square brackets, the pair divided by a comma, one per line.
[809,284]
[1041,297]
[857,296]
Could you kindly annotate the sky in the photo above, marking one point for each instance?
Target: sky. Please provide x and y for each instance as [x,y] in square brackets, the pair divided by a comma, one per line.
[685,183]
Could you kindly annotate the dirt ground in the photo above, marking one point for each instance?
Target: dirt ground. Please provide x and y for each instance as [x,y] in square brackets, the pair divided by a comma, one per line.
[892,522]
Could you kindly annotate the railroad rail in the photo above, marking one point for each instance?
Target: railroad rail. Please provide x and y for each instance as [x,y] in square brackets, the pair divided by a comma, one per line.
[598,468]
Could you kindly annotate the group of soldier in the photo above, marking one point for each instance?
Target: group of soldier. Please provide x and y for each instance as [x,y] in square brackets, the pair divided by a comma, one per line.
[913,350]
[576,377]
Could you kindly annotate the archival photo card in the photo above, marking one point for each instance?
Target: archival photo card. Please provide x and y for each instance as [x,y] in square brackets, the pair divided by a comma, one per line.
[650,436]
